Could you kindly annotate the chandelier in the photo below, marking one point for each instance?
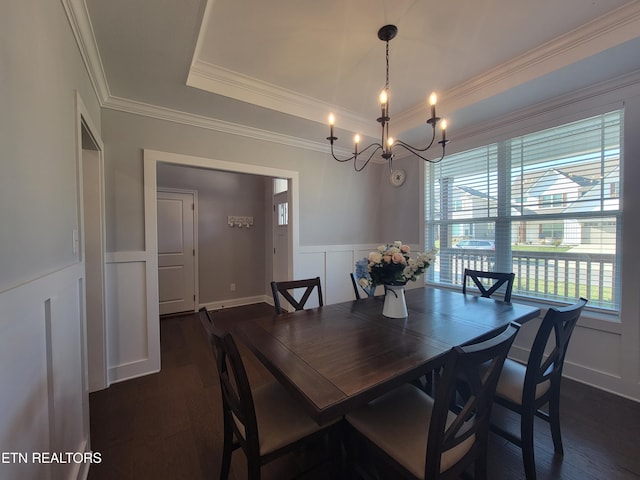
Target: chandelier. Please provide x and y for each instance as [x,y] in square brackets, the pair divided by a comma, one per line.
[387,143]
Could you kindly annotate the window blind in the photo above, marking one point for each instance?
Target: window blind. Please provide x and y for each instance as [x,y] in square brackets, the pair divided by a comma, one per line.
[544,205]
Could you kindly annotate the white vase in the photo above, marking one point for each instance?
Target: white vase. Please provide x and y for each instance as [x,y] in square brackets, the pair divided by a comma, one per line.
[395,305]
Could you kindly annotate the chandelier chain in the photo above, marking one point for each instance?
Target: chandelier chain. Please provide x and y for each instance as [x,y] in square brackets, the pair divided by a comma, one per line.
[386,84]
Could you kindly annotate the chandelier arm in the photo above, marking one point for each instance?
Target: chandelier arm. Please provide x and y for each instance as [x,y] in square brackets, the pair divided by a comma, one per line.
[416,151]
[359,169]
[377,145]
[352,157]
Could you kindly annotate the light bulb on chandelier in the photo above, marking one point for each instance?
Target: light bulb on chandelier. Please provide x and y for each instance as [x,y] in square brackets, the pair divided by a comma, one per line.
[387,33]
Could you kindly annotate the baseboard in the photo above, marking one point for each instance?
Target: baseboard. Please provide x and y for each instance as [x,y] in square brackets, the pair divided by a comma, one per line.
[237,302]
[132,370]
[606,381]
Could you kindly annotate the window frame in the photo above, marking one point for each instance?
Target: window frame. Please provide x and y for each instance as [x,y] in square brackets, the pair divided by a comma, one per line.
[504,220]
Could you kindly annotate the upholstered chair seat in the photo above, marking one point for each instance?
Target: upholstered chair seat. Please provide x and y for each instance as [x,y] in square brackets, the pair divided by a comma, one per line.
[402,432]
[525,389]
[406,433]
[511,382]
[266,421]
[281,420]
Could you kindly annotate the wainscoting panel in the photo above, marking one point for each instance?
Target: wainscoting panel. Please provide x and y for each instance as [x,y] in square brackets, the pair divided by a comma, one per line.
[596,350]
[308,265]
[44,395]
[339,265]
[133,345]
[68,372]
[595,356]
[334,263]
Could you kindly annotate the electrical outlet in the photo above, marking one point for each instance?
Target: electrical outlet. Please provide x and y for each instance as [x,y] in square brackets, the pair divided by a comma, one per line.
[233,287]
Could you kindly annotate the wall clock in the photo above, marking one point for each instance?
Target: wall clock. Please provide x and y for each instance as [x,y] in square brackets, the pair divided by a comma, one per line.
[398,177]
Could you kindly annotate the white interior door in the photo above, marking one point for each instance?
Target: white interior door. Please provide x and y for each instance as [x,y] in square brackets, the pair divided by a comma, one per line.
[176,252]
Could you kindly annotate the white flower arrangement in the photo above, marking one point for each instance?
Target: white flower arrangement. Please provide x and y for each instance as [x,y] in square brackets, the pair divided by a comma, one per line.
[392,264]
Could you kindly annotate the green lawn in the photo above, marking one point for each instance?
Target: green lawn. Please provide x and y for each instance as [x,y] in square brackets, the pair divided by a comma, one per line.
[539,248]
[529,248]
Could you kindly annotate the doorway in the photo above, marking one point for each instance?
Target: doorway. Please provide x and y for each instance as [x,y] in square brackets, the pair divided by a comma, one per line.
[280,229]
[151,159]
[92,247]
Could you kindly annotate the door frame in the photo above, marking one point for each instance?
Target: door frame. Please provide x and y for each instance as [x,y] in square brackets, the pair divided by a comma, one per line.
[94,330]
[194,194]
[274,233]
[150,160]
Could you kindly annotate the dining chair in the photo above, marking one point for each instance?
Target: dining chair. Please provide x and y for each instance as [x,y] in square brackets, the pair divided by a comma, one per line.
[489,282]
[525,389]
[205,316]
[409,434]
[265,422]
[357,287]
[287,288]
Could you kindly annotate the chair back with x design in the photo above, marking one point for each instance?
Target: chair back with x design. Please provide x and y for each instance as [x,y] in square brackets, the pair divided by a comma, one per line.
[525,389]
[286,289]
[489,282]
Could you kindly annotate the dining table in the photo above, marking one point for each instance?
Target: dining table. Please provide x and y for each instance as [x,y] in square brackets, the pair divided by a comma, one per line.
[338,357]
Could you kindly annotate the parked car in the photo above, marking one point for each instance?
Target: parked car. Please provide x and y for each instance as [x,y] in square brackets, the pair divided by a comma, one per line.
[476,244]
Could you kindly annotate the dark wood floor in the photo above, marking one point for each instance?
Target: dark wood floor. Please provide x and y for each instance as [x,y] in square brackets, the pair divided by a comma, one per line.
[168,425]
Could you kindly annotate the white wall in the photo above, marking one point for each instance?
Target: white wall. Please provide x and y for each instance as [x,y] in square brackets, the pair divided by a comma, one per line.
[43,377]
[44,396]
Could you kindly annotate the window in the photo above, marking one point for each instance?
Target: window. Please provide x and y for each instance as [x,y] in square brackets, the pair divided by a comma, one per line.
[280,185]
[550,203]
[554,230]
[553,200]
[283,214]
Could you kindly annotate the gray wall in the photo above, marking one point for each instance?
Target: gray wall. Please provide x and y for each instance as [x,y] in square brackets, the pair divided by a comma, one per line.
[401,206]
[43,393]
[337,205]
[225,255]
[40,70]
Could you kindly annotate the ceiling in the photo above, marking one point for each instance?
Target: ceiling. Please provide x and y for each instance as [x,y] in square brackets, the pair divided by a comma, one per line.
[281,66]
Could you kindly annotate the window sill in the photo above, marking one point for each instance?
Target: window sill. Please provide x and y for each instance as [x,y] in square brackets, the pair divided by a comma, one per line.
[594,319]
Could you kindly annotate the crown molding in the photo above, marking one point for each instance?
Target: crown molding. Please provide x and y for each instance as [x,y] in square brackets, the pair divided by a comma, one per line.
[607,31]
[609,92]
[221,81]
[170,115]
[82,29]
[80,22]
[604,32]
[228,83]
[604,95]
